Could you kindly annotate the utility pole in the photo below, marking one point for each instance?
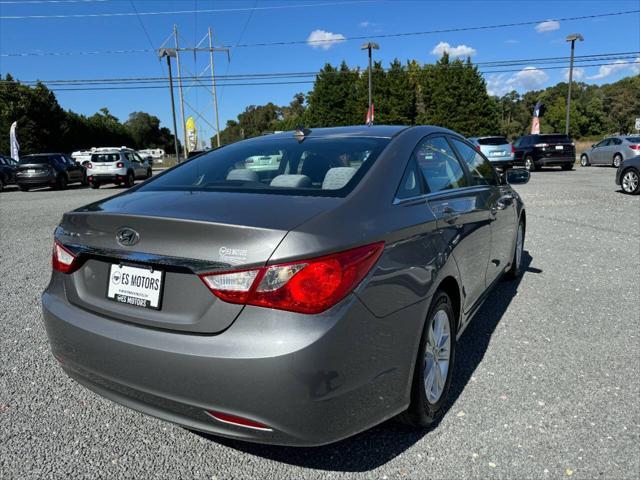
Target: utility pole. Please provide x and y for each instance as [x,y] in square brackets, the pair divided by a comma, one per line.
[571,38]
[370,46]
[213,85]
[180,94]
[168,53]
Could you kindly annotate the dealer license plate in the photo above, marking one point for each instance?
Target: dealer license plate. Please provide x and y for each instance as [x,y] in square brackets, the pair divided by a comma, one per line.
[559,147]
[140,287]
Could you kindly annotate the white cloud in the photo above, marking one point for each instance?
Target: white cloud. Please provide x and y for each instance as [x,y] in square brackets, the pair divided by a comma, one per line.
[548,26]
[459,51]
[365,24]
[323,39]
[578,74]
[529,78]
[606,70]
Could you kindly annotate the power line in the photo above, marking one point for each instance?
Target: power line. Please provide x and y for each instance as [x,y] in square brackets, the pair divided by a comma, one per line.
[582,60]
[177,12]
[140,85]
[144,29]
[345,39]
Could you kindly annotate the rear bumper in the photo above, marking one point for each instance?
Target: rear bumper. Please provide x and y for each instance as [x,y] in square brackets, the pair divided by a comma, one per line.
[506,162]
[555,161]
[106,177]
[36,181]
[311,379]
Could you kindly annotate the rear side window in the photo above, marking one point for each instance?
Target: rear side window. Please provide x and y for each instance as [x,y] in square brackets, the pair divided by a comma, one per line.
[482,173]
[326,166]
[493,141]
[439,165]
[411,184]
[105,157]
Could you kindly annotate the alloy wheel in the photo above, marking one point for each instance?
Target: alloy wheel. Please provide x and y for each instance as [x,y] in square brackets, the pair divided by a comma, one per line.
[630,181]
[528,164]
[584,161]
[437,356]
[617,160]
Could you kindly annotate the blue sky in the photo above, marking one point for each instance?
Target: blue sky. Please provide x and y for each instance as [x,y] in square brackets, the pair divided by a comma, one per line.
[298,20]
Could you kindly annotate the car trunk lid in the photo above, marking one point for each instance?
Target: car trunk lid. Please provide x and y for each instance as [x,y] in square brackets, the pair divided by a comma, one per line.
[181,234]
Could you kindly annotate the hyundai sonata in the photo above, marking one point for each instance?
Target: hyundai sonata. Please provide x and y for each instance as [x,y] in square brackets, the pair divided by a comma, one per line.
[297,304]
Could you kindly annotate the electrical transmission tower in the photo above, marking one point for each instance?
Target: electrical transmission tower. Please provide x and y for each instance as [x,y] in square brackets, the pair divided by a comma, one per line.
[197,79]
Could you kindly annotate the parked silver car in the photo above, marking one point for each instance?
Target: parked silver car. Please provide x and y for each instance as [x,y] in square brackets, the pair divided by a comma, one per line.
[497,149]
[612,151]
[116,165]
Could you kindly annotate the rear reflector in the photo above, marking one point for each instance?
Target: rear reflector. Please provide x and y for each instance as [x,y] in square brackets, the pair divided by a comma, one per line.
[306,286]
[63,260]
[239,421]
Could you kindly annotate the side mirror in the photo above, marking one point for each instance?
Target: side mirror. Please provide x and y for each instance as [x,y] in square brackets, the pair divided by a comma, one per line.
[593,145]
[516,176]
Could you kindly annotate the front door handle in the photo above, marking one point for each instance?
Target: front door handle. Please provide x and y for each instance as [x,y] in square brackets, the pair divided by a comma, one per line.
[450,215]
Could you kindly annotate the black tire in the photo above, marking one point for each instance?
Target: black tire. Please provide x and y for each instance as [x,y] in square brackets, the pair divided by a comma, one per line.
[584,161]
[567,166]
[516,262]
[23,188]
[634,178]
[1,185]
[94,185]
[617,160]
[149,173]
[421,412]
[528,163]
[62,182]
[130,180]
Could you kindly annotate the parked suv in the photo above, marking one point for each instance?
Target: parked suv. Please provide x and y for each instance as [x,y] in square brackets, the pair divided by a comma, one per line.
[497,149]
[8,168]
[549,150]
[116,165]
[55,170]
[612,151]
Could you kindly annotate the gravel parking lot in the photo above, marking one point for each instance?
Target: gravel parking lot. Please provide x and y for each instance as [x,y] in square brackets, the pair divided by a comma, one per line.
[546,383]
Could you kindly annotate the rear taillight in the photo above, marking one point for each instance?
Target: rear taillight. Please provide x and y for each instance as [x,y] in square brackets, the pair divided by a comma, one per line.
[478,148]
[306,286]
[89,166]
[63,260]
[634,147]
[513,149]
[119,165]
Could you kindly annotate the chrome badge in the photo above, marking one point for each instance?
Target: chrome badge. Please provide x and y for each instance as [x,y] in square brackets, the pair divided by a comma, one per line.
[127,237]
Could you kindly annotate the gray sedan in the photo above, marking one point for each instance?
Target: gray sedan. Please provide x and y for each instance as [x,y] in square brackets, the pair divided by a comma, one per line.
[612,151]
[298,305]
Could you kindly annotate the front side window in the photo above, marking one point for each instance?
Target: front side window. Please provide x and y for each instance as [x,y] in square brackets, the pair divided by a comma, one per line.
[325,166]
[482,173]
[603,143]
[439,165]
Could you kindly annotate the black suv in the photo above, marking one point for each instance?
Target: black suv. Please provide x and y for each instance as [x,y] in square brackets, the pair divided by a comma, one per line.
[537,151]
[7,171]
[48,169]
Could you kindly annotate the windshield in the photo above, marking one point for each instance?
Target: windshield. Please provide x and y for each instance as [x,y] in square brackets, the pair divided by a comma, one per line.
[105,157]
[555,138]
[493,141]
[316,166]
[30,160]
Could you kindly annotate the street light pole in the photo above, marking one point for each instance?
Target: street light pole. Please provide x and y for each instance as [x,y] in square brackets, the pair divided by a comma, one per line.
[571,38]
[168,53]
[370,46]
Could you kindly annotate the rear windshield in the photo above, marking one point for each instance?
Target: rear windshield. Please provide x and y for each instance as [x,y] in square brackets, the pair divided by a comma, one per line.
[633,139]
[493,141]
[315,166]
[555,138]
[105,157]
[29,160]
